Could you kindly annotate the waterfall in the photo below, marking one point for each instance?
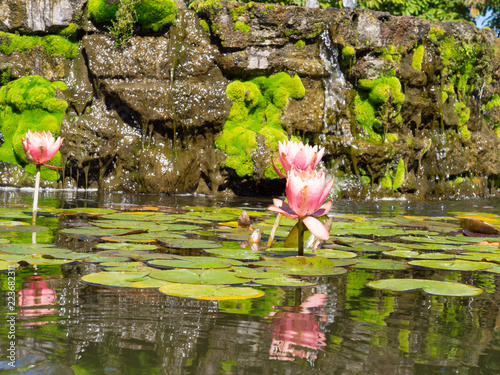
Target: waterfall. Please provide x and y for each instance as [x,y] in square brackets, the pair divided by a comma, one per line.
[312,3]
[349,3]
[335,83]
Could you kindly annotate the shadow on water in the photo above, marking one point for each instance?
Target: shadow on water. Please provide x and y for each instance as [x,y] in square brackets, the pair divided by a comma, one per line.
[340,326]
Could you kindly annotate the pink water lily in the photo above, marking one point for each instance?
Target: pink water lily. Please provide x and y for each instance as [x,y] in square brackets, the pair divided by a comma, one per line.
[40,147]
[306,190]
[303,156]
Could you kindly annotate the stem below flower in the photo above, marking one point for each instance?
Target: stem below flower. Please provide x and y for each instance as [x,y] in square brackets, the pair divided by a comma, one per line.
[35,197]
[300,237]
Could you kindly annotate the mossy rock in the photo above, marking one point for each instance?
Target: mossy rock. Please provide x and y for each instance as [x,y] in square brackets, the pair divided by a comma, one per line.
[256,112]
[29,103]
[54,45]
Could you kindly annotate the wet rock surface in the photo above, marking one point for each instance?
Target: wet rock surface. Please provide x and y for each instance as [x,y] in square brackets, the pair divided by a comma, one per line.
[144,117]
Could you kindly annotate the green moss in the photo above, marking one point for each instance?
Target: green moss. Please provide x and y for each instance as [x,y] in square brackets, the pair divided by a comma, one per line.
[348,52]
[69,31]
[55,45]
[377,101]
[257,108]
[241,26]
[238,10]
[151,14]
[386,180]
[435,34]
[269,6]
[389,53]
[418,57]
[399,175]
[392,137]
[300,44]
[318,28]
[205,26]
[29,103]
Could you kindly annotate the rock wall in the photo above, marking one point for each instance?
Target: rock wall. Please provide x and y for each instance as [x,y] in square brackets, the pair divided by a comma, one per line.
[401,105]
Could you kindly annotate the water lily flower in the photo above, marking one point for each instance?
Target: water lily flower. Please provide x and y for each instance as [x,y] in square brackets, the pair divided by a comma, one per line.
[306,190]
[303,156]
[40,147]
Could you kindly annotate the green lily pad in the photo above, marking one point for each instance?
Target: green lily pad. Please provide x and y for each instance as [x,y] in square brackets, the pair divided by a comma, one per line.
[125,246]
[379,265]
[193,262]
[284,281]
[411,254]
[303,266]
[239,254]
[193,276]
[122,280]
[25,228]
[125,267]
[335,254]
[38,260]
[189,243]
[481,257]
[32,249]
[454,265]
[210,292]
[433,287]
[91,211]
[6,266]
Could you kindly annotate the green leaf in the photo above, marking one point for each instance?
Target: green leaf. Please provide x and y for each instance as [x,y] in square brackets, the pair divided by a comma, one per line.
[440,288]
[210,292]
[193,276]
[122,280]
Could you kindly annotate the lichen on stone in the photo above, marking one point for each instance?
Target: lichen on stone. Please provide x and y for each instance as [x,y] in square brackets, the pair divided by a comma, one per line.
[256,113]
[29,103]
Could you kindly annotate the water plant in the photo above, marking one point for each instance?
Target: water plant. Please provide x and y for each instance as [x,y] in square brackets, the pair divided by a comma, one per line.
[306,190]
[39,148]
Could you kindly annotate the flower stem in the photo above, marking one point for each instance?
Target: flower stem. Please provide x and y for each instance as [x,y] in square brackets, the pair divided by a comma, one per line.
[274,230]
[35,197]
[300,237]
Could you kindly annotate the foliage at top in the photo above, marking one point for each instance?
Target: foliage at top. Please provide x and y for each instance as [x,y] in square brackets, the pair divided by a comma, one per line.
[29,103]
[123,14]
[434,10]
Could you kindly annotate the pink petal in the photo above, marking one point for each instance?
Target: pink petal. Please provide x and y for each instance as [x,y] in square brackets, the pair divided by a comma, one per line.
[279,210]
[324,209]
[316,227]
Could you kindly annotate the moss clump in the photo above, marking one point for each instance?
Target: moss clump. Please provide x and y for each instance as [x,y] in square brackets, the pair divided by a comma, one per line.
[394,179]
[241,26]
[256,111]
[151,14]
[205,26]
[377,102]
[348,55]
[390,53]
[418,57]
[300,44]
[29,103]
[54,45]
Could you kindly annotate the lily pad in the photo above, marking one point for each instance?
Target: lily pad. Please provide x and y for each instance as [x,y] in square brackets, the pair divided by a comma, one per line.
[193,262]
[122,280]
[6,266]
[379,265]
[210,292]
[32,249]
[454,265]
[411,254]
[433,287]
[189,243]
[303,266]
[125,246]
[335,254]
[125,267]
[192,276]
[239,254]
[284,281]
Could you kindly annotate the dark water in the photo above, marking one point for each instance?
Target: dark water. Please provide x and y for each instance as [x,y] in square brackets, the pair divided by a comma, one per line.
[340,327]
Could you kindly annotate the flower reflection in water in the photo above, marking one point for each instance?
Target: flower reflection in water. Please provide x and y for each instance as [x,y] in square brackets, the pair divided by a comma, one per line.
[37,294]
[297,333]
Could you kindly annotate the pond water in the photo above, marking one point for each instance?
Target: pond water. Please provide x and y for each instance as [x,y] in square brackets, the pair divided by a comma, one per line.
[339,326]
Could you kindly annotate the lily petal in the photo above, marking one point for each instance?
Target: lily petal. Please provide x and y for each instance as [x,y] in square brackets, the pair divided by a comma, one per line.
[316,227]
